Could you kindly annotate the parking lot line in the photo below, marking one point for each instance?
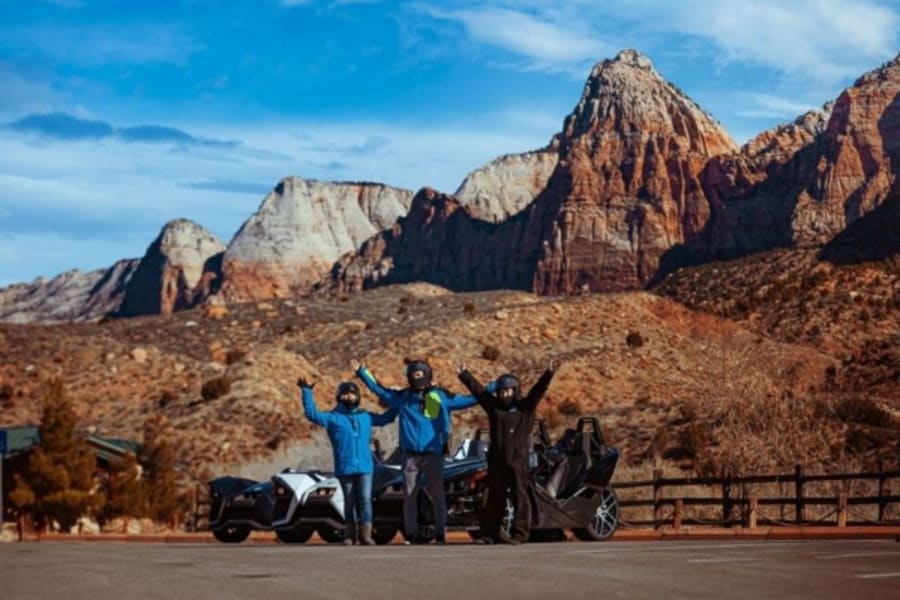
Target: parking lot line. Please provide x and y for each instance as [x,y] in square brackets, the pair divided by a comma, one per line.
[720,560]
[855,555]
[878,575]
[622,549]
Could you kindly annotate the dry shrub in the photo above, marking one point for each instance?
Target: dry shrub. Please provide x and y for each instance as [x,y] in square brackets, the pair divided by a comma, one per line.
[862,410]
[742,423]
[215,388]
[235,355]
[570,408]
[634,339]
[469,308]
[491,353]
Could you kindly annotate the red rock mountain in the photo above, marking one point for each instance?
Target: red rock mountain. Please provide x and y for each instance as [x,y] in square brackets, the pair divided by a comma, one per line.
[625,190]
[639,182]
[804,183]
[300,229]
[180,267]
[70,296]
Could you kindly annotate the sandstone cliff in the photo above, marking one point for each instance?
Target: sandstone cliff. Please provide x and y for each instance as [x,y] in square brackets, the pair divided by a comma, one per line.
[70,296]
[178,268]
[506,185]
[300,230]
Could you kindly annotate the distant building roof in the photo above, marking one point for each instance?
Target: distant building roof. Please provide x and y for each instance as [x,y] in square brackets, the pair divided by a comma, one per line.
[21,438]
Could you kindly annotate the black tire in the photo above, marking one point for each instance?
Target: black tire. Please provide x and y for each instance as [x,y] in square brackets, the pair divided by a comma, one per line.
[384,534]
[331,535]
[547,535]
[300,535]
[605,519]
[232,534]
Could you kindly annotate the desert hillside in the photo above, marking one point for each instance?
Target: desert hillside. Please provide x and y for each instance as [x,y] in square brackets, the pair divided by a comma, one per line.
[652,369]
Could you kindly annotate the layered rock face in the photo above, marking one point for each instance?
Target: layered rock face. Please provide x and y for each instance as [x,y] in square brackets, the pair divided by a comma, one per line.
[440,241]
[300,230]
[70,296]
[179,268]
[506,185]
[626,189]
[804,183]
[628,185]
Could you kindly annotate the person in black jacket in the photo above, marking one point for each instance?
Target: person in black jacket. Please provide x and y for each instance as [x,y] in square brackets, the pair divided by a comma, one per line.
[511,419]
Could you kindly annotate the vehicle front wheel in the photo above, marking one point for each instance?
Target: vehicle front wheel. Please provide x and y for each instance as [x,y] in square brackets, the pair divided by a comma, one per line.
[383,534]
[604,521]
[294,536]
[232,534]
[331,535]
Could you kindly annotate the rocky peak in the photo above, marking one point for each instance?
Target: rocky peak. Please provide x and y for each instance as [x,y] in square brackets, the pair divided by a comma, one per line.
[507,184]
[783,141]
[301,228]
[177,268]
[627,96]
[70,296]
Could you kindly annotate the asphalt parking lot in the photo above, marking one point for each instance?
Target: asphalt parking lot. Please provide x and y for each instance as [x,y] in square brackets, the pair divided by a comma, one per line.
[819,569]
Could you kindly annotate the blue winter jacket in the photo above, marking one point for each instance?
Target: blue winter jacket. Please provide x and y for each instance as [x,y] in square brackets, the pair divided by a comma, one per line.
[424,416]
[350,432]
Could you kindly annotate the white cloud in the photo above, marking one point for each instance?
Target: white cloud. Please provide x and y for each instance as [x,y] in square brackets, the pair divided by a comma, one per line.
[113,197]
[768,106]
[819,40]
[823,41]
[546,43]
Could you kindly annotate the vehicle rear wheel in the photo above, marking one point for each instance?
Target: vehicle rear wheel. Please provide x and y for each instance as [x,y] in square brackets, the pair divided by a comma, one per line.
[547,535]
[331,535]
[605,518]
[383,534]
[294,536]
[232,534]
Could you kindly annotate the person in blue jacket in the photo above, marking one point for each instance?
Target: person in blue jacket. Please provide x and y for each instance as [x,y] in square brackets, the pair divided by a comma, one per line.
[424,411]
[350,431]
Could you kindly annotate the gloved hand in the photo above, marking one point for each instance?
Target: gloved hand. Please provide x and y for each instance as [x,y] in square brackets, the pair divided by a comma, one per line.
[302,382]
[460,366]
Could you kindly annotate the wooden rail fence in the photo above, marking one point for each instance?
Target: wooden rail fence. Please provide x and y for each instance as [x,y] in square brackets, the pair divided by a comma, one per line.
[740,504]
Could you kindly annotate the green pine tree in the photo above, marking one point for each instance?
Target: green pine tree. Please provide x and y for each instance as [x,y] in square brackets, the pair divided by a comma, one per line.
[126,493]
[60,472]
[163,499]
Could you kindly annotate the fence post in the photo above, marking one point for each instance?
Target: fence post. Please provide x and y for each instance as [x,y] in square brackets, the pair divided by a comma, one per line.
[726,501]
[798,494]
[882,490]
[194,508]
[657,493]
[754,510]
[679,514]
[842,510]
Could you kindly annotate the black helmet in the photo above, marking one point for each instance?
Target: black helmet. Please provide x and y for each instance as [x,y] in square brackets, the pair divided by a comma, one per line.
[348,387]
[422,381]
[508,381]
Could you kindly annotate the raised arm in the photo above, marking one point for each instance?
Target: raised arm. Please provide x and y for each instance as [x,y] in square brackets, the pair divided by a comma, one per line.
[309,408]
[481,394]
[389,397]
[383,418]
[537,391]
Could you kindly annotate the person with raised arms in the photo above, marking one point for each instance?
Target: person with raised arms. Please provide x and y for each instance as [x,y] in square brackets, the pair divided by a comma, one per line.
[424,411]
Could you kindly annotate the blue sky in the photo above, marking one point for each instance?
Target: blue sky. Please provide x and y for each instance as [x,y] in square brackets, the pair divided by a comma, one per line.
[117,116]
